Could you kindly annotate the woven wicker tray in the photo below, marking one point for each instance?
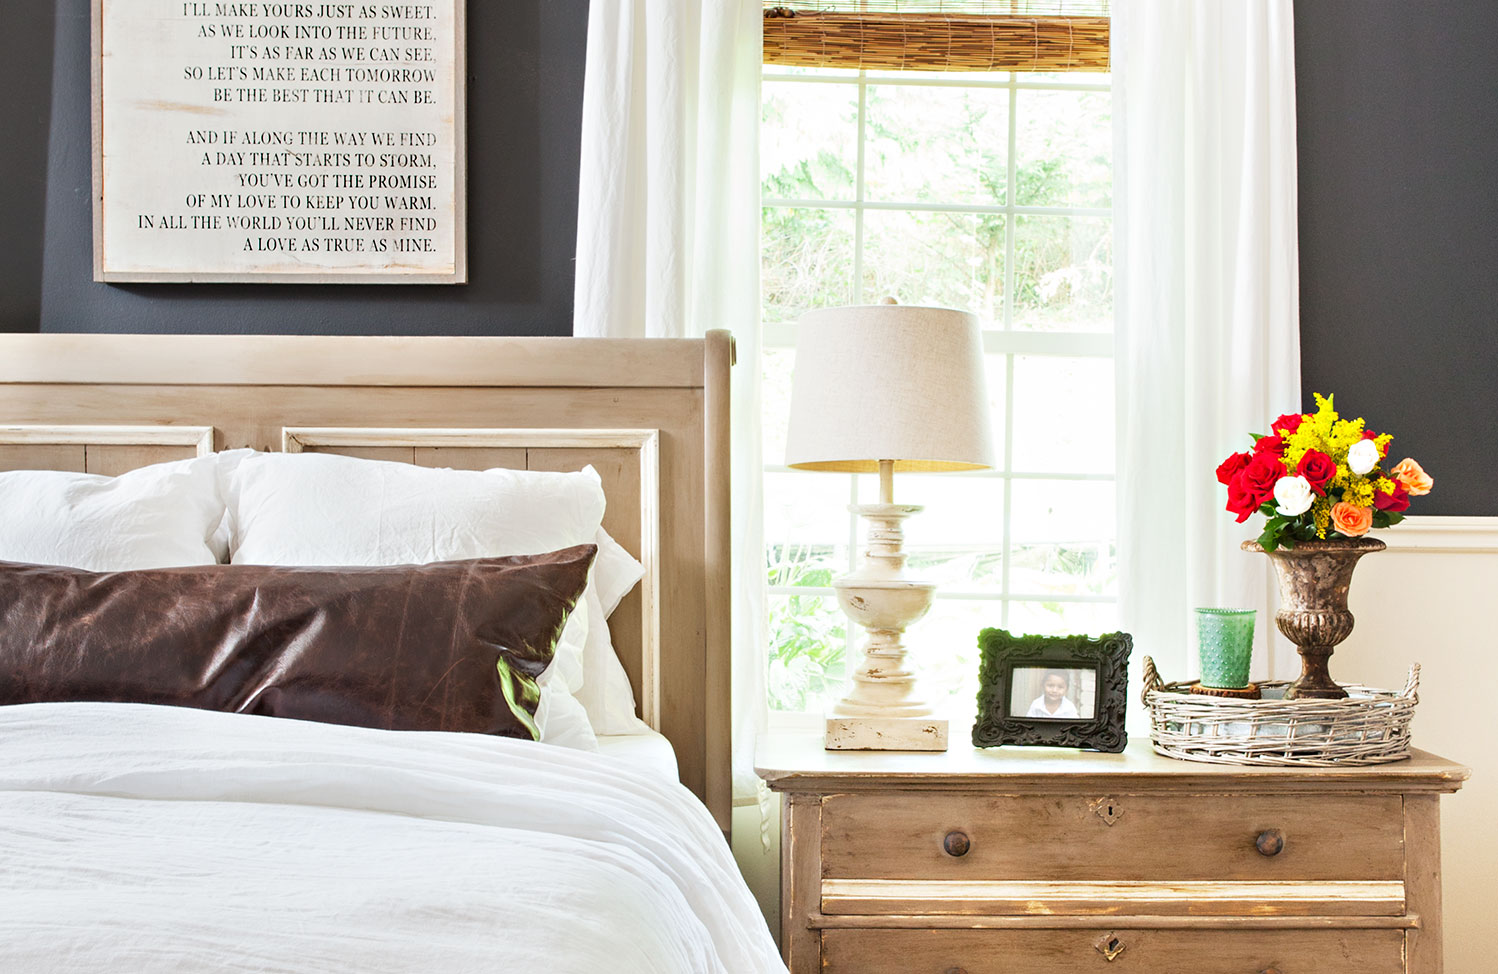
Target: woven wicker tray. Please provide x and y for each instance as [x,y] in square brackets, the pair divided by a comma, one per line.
[1369,727]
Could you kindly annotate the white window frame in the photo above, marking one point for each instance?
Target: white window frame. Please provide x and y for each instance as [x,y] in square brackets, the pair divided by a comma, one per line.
[1001,339]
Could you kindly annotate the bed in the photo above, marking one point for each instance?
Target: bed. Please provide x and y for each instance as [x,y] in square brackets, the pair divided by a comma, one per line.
[145,837]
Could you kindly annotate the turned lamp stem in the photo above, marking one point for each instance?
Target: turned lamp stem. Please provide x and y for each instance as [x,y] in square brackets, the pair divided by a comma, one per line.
[886,481]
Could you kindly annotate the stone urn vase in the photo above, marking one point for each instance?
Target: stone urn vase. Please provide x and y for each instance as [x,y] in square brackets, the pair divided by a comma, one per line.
[1314,577]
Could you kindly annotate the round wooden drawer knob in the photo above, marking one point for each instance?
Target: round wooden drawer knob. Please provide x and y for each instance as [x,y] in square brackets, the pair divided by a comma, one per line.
[956,844]
[1271,842]
[1270,970]
[963,970]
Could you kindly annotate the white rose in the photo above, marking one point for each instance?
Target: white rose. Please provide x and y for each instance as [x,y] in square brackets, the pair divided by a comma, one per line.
[1293,495]
[1362,457]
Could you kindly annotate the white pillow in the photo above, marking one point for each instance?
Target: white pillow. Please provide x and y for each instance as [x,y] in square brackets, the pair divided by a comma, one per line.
[304,509]
[616,571]
[561,718]
[160,516]
[606,693]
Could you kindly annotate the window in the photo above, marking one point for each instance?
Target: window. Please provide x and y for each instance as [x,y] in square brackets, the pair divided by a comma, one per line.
[984,191]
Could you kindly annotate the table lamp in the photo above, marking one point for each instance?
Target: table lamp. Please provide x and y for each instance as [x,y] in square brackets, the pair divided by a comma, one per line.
[881,388]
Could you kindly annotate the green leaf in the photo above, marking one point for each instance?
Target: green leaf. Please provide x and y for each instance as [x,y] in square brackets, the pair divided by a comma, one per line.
[1269,540]
[1395,518]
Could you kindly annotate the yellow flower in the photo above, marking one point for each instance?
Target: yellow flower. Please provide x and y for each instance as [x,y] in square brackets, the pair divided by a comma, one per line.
[1358,492]
[1321,513]
[1327,432]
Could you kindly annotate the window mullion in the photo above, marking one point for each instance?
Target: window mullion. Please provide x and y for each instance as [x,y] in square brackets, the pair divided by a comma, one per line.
[1010,176]
[858,191]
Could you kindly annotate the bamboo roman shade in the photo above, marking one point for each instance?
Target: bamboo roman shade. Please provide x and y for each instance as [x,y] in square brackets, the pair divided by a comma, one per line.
[938,35]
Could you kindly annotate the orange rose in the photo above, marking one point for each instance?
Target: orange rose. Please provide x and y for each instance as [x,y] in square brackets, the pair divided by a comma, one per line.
[1350,519]
[1415,479]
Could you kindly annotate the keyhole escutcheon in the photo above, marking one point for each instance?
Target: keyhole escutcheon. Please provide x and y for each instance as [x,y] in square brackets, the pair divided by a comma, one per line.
[1107,809]
[1110,946]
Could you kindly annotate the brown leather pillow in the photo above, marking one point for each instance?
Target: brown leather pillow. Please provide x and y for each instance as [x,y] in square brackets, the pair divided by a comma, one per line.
[452,646]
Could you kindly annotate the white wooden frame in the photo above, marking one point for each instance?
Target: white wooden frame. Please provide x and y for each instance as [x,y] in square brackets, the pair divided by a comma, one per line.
[1002,339]
[200,438]
[106,450]
[459,275]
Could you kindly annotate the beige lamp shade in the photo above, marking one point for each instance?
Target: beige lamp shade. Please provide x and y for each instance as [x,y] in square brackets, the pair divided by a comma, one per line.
[889,382]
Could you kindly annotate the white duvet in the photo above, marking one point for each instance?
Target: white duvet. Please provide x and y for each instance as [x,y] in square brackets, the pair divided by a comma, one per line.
[143,839]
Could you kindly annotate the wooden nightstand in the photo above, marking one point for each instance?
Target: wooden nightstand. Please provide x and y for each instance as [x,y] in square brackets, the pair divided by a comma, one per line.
[1030,860]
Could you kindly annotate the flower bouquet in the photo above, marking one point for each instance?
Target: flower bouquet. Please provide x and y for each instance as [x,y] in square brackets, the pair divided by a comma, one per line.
[1318,476]
[1318,480]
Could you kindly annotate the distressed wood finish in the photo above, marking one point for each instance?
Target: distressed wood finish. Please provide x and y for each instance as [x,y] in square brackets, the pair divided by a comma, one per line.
[321,360]
[789,765]
[1023,837]
[886,733]
[717,515]
[800,881]
[1422,879]
[879,897]
[973,921]
[105,450]
[1025,861]
[1142,951]
[449,394]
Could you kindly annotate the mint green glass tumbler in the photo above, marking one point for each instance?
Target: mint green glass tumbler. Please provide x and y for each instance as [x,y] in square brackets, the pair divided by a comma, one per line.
[1225,641]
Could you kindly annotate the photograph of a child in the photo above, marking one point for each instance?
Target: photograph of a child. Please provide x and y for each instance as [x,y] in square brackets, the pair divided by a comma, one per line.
[1052,693]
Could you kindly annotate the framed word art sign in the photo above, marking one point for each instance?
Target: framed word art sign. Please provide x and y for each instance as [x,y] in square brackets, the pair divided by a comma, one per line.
[279,142]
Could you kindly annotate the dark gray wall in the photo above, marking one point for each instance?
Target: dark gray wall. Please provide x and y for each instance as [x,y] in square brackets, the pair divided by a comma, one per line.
[525,74]
[26,80]
[1398,118]
[1398,137]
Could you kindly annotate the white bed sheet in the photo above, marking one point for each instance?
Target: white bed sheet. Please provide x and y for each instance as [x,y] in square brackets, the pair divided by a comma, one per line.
[146,839]
[647,751]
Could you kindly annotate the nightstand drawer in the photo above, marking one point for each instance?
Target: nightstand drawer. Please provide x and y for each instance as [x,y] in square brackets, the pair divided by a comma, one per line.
[1259,838]
[1080,951]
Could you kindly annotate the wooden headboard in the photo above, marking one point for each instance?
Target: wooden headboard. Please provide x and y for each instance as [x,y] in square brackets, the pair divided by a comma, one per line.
[650,415]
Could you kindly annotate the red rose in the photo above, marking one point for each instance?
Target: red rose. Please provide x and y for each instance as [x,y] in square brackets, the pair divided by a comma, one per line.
[1270,444]
[1242,500]
[1228,469]
[1290,422]
[1395,503]
[1317,468]
[1260,475]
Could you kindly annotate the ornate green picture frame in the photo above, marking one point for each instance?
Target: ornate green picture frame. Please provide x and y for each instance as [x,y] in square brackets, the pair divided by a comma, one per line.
[1057,691]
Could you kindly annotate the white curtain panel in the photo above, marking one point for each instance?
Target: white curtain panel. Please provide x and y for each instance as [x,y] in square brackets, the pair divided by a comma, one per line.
[668,239]
[1207,305]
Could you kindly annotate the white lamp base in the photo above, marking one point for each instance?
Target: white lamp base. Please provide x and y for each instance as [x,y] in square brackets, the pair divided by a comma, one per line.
[881,711]
[886,734]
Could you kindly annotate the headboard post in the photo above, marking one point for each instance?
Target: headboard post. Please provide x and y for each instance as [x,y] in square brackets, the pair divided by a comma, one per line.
[717,511]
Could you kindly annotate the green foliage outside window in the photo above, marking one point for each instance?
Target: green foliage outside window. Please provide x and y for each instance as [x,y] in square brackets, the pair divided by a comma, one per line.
[934,183]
